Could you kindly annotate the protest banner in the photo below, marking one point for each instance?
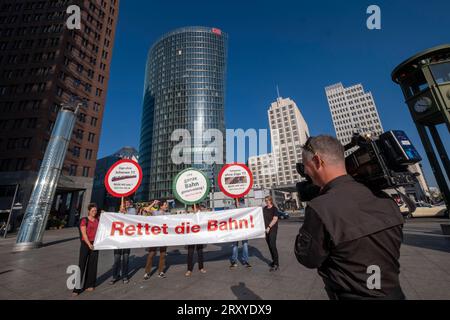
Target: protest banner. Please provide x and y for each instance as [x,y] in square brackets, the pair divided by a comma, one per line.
[118,231]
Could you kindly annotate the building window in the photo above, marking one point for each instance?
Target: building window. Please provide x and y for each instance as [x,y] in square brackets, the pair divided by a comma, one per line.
[86,171]
[20,164]
[88,154]
[79,134]
[76,152]
[5,164]
[91,137]
[72,170]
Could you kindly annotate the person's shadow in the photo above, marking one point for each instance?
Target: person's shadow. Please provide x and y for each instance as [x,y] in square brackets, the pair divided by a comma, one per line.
[243,293]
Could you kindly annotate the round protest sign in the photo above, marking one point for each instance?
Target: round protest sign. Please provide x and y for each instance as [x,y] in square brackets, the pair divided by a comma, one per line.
[235,180]
[191,186]
[123,178]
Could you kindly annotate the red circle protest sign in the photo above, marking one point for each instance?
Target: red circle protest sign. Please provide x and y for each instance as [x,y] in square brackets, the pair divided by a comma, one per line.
[123,178]
[235,180]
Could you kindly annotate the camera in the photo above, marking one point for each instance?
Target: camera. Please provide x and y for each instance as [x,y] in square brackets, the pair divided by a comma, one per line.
[379,164]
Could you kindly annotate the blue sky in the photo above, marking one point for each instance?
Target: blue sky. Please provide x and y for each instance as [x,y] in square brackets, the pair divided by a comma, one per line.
[301,46]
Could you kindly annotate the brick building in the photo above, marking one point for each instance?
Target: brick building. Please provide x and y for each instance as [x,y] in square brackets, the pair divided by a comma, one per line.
[42,65]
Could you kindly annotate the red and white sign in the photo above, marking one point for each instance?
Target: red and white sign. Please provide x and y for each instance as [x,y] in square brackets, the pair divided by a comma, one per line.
[235,180]
[123,231]
[123,178]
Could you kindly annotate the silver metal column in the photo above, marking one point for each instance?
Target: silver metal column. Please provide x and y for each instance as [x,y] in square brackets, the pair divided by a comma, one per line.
[38,209]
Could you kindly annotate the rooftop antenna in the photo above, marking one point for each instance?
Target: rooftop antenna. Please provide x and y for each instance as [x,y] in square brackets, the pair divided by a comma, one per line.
[278,96]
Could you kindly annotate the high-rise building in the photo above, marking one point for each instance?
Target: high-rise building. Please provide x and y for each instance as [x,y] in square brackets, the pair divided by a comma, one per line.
[289,132]
[352,110]
[42,65]
[263,169]
[184,89]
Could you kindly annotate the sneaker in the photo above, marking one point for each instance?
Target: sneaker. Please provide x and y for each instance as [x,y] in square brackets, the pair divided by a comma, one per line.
[202,270]
[247,265]
[113,281]
[125,281]
[146,276]
[188,273]
[233,265]
[162,275]
[274,268]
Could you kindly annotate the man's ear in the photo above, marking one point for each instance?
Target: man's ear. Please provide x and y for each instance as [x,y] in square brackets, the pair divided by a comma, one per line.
[317,161]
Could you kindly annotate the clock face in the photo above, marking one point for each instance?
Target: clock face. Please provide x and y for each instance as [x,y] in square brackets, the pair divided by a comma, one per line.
[422,105]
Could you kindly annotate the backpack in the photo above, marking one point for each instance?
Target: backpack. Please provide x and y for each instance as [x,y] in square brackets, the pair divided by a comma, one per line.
[79,227]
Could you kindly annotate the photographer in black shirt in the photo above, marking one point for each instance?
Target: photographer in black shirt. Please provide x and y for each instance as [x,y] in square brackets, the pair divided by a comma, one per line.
[348,231]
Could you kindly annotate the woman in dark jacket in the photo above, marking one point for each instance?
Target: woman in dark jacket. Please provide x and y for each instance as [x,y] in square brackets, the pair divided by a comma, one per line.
[271,222]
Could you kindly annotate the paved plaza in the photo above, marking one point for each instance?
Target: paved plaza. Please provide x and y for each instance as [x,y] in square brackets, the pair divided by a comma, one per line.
[41,273]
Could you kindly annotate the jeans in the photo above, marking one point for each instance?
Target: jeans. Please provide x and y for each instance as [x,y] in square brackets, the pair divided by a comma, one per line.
[234,256]
[121,262]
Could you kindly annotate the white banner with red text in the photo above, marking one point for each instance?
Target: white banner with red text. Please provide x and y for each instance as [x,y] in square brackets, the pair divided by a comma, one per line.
[121,231]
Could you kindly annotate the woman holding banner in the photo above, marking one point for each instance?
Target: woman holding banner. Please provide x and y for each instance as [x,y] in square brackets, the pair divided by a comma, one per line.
[271,222]
[191,249]
[88,256]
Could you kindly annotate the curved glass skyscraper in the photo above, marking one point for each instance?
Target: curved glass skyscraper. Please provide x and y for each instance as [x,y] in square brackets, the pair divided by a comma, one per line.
[184,89]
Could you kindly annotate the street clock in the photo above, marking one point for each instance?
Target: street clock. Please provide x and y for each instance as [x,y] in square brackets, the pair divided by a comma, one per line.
[423,105]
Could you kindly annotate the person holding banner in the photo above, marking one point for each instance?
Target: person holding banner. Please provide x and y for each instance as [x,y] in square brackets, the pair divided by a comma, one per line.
[235,249]
[163,210]
[148,210]
[271,221]
[121,256]
[88,256]
[191,249]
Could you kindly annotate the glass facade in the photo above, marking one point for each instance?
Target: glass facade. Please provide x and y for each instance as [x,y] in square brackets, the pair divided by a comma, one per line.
[184,87]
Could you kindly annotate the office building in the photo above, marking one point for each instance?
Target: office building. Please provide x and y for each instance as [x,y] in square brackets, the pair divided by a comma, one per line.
[289,132]
[42,65]
[352,110]
[184,89]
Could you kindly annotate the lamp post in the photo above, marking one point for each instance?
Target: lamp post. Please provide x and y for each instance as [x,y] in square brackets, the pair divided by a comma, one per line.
[35,219]
[425,82]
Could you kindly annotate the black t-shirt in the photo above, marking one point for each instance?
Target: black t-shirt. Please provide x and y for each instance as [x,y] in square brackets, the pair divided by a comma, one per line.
[269,214]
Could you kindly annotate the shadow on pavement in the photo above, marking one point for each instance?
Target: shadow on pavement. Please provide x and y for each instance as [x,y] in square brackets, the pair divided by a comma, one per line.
[48,244]
[175,257]
[427,242]
[243,293]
